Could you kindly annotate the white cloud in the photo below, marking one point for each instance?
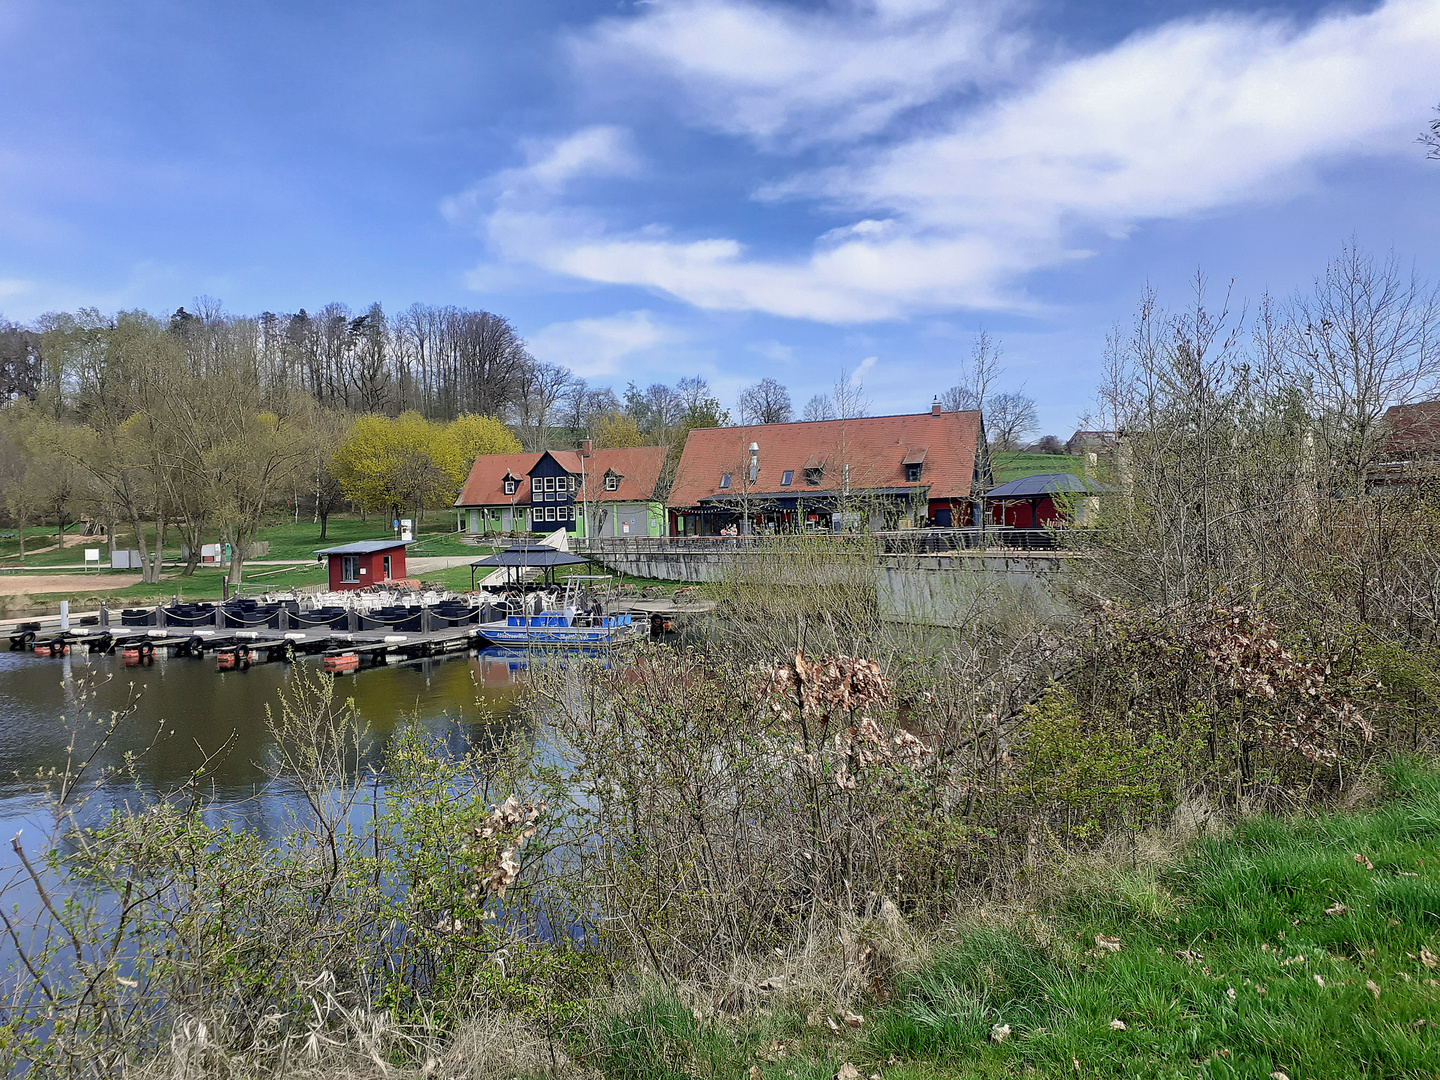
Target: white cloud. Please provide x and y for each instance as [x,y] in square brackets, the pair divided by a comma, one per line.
[1193,117]
[779,75]
[596,346]
[14,286]
[774,350]
[600,151]
[857,377]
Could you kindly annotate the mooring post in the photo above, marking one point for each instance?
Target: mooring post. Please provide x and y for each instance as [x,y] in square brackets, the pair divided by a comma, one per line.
[424,618]
[352,620]
[219,617]
[104,615]
[284,617]
[160,617]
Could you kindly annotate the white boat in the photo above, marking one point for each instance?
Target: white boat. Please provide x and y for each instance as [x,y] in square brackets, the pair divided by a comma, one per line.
[570,626]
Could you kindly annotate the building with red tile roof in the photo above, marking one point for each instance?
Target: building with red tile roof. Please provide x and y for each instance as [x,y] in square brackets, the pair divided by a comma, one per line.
[873,472]
[1409,453]
[542,492]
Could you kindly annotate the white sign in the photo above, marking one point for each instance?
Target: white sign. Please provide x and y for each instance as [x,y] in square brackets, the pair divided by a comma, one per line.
[92,554]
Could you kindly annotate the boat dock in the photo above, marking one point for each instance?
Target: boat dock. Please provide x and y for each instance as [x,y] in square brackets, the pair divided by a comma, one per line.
[240,633]
[241,648]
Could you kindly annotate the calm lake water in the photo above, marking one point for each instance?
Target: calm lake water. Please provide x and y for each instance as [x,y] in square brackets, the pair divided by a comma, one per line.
[43,698]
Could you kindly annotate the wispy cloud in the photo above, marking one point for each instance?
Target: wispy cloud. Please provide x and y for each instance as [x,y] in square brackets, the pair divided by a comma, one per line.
[596,347]
[788,77]
[1190,118]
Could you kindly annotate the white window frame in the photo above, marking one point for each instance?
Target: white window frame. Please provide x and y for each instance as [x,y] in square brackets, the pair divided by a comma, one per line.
[612,483]
[349,569]
[536,484]
[509,486]
[549,483]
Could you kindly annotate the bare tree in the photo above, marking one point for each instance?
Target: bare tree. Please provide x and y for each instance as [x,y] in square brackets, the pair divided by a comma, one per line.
[541,385]
[766,402]
[973,389]
[819,407]
[848,396]
[368,374]
[1009,418]
[1366,337]
[1431,138]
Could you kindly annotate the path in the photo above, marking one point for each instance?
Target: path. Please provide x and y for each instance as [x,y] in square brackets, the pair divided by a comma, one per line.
[25,584]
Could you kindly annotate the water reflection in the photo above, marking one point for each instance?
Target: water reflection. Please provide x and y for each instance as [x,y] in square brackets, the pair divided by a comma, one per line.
[203,711]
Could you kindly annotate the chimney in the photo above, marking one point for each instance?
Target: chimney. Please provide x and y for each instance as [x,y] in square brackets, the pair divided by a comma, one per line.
[754,461]
[935,406]
[586,447]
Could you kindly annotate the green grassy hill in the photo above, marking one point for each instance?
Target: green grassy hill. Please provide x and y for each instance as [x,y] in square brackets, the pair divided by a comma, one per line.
[1013,466]
[1308,947]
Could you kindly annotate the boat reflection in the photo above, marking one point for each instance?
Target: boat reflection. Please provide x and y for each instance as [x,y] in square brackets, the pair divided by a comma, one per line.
[497,668]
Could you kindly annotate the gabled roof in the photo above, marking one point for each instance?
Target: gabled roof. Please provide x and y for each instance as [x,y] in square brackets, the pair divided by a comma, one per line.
[1413,430]
[638,467]
[363,547]
[874,448]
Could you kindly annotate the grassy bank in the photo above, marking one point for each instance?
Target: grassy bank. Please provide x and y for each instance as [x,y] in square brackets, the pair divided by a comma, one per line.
[1305,946]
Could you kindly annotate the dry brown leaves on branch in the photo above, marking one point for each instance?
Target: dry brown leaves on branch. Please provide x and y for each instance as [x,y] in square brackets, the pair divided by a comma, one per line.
[830,684]
[504,832]
[1305,710]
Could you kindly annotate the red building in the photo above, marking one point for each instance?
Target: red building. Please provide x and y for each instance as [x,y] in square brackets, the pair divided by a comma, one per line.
[867,473]
[365,562]
[1038,501]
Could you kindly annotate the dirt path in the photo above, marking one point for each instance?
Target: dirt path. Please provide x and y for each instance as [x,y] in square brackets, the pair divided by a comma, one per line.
[27,584]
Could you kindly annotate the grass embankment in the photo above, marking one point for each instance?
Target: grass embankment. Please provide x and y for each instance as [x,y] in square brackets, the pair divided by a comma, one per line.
[1307,946]
[1013,466]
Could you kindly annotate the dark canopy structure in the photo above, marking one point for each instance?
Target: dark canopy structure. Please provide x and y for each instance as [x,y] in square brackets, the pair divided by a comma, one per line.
[1042,500]
[524,557]
[1048,483]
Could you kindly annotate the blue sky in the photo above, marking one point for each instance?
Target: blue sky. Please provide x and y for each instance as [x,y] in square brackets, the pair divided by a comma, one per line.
[733,188]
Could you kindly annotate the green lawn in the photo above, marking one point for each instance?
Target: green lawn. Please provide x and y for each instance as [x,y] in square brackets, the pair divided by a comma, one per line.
[288,540]
[1307,946]
[1009,467]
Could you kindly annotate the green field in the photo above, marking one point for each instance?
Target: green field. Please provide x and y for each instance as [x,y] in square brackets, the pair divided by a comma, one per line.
[1009,467]
[1306,946]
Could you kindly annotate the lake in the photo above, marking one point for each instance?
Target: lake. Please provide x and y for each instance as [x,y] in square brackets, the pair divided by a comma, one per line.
[43,698]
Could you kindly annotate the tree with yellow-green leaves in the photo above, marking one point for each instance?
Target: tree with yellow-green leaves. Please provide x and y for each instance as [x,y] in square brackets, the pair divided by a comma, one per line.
[408,463]
[618,431]
[476,436]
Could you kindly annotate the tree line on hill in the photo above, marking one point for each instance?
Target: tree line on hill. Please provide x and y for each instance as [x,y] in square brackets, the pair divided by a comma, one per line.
[205,422]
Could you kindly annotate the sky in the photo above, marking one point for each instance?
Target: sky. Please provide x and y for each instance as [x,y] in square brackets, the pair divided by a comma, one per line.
[650,189]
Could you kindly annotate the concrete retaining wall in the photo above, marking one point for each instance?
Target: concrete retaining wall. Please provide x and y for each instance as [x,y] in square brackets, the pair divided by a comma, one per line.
[936,590]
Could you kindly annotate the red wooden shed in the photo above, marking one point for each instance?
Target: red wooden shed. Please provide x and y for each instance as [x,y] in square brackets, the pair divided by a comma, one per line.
[365,562]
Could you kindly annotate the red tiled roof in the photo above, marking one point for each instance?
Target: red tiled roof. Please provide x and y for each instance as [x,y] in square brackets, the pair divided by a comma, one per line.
[1413,429]
[874,447]
[638,467]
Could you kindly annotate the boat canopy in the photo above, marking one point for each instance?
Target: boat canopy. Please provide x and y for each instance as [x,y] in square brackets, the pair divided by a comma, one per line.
[524,555]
